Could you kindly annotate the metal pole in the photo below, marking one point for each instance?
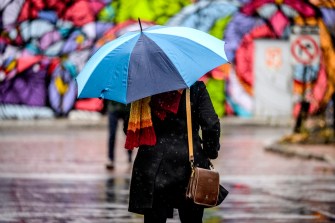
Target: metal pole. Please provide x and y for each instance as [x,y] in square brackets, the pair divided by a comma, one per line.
[304,104]
[333,98]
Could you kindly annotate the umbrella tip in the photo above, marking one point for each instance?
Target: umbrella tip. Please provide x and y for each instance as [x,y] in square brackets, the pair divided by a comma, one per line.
[139,22]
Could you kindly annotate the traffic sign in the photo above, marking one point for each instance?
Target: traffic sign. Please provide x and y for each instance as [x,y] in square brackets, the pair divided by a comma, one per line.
[304,46]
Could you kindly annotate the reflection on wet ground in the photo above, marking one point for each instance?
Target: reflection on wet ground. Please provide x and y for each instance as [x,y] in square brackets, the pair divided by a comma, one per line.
[64,201]
[54,176]
[251,199]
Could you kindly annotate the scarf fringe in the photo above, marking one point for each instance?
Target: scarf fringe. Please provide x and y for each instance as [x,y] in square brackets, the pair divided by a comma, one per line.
[144,136]
[140,128]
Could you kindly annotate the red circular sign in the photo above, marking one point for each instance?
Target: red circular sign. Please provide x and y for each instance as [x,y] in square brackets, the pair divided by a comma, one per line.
[305,49]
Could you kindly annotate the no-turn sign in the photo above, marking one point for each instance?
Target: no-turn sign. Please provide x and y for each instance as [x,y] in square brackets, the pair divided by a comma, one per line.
[304,45]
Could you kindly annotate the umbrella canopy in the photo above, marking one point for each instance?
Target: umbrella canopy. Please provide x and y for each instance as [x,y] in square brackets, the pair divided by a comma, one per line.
[151,61]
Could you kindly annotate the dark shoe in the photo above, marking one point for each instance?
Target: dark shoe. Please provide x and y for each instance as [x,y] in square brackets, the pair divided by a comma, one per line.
[110,165]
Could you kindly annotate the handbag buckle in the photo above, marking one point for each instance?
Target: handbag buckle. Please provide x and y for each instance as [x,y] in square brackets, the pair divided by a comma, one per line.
[192,167]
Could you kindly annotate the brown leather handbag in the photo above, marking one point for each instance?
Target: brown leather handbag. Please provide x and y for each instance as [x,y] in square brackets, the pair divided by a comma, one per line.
[204,185]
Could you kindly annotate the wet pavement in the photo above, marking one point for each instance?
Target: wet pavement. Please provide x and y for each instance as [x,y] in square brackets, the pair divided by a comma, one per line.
[54,172]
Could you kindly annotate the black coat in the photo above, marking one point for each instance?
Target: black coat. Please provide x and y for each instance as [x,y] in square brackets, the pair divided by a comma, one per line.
[162,171]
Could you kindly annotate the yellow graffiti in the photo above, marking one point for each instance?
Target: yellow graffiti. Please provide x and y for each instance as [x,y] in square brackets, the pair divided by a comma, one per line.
[61,86]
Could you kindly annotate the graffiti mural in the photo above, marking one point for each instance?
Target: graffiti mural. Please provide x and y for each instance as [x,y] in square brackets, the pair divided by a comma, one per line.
[45,44]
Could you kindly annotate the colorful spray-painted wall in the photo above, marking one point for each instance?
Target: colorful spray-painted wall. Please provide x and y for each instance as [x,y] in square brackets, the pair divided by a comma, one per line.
[45,44]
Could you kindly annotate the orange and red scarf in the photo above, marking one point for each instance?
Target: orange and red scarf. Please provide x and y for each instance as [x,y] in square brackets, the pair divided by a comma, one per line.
[140,127]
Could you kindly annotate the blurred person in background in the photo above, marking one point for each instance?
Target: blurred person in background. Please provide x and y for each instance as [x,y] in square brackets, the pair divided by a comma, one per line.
[116,111]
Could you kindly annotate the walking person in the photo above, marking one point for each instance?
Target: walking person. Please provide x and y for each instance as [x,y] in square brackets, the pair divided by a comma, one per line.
[116,111]
[157,125]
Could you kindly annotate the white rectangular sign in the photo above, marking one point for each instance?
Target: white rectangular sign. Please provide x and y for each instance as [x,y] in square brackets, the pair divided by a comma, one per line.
[273,83]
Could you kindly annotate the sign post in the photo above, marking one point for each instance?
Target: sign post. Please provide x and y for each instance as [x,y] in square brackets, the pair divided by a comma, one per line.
[305,51]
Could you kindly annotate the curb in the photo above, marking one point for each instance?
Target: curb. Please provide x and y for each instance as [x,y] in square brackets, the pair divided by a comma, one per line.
[290,150]
[101,121]
[56,123]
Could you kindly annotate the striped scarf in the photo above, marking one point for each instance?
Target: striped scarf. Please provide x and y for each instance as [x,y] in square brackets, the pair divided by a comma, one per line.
[140,127]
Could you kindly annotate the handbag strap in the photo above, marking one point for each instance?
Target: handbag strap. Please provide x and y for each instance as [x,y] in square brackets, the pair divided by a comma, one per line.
[189,130]
[189,126]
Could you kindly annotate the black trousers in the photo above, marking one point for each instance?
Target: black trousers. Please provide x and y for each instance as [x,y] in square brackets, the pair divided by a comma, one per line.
[113,119]
[188,213]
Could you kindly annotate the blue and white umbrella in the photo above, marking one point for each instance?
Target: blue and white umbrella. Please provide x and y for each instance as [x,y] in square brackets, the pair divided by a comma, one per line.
[147,62]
